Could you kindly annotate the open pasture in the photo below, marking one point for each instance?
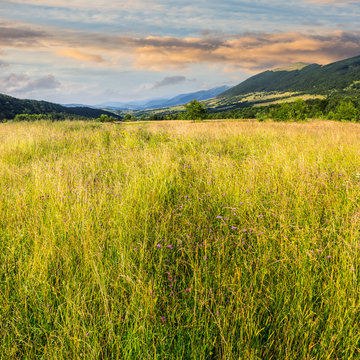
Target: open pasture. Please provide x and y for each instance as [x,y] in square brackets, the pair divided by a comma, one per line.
[179,240]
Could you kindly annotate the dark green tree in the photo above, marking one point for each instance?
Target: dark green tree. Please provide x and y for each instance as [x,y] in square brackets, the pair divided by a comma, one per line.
[346,111]
[195,110]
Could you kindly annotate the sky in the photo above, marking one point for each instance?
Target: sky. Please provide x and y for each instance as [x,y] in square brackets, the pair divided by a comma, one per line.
[91,52]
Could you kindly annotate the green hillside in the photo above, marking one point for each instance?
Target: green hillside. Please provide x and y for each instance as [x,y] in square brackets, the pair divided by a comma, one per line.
[10,107]
[312,79]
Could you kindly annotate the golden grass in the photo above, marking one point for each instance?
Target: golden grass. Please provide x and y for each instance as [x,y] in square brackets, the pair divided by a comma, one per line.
[179,240]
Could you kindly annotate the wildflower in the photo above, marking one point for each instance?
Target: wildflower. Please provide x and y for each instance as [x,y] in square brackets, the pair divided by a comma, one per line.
[234,227]
[219,217]
[329,257]
[170,247]
[163,319]
[158,246]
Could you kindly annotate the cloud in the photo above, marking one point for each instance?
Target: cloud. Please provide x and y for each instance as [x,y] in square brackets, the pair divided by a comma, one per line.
[20,35]
[169,81]
[335,2]
[94,4]
[3,64]
[80,56]
[249,52]
[24,84]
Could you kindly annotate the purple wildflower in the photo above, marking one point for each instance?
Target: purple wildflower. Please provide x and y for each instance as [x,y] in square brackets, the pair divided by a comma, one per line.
[158,246]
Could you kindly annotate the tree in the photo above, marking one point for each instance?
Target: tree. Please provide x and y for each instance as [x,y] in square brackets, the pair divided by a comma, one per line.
[346,111]
[129,117]
[196,110]
[105,118]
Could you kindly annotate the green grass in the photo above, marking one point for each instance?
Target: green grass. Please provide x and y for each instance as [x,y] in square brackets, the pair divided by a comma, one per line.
[179,240]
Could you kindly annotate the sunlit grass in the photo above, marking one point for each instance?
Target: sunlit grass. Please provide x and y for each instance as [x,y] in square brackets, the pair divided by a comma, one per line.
[179,240]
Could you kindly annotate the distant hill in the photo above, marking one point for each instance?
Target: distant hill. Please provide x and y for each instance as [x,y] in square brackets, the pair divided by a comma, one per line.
[161,103]
[313,79]
[10,107]
[199,95]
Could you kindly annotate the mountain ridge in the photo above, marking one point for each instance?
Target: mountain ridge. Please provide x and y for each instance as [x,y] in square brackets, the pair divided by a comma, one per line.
[313,78]
[11,106]
[180,99]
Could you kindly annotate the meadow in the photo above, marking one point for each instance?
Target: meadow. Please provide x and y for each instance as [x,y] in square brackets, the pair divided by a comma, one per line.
[180,240]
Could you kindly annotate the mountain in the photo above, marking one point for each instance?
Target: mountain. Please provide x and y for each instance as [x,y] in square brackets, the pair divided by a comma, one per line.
[313,79]
[10,107]
[161,103]
[199,95]
[79,105]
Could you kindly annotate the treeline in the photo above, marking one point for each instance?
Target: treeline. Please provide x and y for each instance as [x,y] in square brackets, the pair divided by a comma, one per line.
[51,116]
[335,107]
[61,116]
[331,109]
[10,107]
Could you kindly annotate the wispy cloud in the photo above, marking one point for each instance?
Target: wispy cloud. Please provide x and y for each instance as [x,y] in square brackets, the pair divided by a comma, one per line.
[169,81]
[78,55]
[84,4]
[334,2]
[4,64]
[23,84]
[247,51]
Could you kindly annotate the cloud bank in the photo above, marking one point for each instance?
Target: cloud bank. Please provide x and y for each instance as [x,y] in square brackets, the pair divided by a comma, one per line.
[249,52]
[23,84]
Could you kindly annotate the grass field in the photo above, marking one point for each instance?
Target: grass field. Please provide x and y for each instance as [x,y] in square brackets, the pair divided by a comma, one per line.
[179,240]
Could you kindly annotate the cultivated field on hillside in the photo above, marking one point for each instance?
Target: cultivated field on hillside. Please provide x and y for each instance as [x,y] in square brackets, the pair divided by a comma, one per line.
[179,240]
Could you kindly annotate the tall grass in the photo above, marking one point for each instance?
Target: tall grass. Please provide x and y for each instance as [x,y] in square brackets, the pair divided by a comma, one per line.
[221,240]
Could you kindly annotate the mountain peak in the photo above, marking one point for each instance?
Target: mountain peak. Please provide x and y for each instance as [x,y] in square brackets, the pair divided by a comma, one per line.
[296,66]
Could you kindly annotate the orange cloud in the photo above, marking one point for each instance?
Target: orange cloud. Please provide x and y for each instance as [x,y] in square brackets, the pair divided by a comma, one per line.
[77,55]
[250,52]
